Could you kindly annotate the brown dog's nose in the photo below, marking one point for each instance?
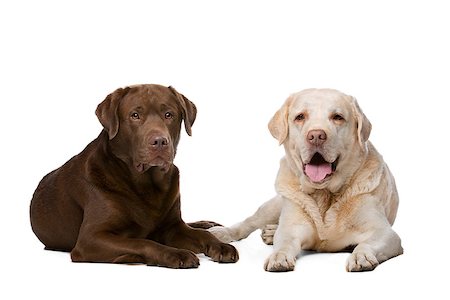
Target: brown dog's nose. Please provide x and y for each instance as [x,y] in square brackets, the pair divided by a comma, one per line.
[159,142]
[316,137]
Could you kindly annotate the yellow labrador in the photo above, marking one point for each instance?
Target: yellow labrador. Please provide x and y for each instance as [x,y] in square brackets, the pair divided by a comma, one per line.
[334,191]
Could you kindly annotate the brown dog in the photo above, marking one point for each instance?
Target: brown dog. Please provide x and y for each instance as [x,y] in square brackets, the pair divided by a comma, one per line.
[118,201]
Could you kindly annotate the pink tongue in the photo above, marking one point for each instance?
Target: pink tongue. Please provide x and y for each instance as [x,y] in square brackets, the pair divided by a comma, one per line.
[317,173]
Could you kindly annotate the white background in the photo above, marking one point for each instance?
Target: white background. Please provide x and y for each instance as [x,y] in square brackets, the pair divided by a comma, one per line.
[237,61]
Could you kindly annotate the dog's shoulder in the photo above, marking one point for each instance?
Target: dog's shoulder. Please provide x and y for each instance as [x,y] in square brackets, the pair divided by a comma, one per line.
[369,176]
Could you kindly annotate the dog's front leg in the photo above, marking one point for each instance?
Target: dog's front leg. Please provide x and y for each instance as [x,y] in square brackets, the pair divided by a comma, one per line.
[372,234]
[383,244]
[182,236]
[293,232]
[107,247]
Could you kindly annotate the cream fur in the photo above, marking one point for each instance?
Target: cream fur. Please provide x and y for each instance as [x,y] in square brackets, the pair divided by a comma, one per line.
[355,206]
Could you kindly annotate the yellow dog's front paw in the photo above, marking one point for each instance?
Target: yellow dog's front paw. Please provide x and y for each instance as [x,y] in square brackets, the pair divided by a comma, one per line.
[280,262]
[361,261]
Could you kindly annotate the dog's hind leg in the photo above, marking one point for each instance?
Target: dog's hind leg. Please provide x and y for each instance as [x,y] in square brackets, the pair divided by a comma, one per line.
[268,213]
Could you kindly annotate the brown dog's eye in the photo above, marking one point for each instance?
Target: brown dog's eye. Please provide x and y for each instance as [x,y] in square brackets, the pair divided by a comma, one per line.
[135,116]
[300,117]
[168,115]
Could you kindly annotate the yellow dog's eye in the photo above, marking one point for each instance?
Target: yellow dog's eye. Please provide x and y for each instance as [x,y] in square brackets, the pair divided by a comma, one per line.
[300,117]
[338,117]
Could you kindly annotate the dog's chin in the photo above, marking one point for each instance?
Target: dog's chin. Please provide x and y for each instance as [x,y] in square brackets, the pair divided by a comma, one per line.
[158,162]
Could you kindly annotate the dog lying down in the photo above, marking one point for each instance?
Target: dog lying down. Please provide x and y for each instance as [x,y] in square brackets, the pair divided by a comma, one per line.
[118,201]
[334,191]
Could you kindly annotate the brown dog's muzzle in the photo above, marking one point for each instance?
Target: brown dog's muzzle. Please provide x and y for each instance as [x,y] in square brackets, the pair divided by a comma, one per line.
[156,151]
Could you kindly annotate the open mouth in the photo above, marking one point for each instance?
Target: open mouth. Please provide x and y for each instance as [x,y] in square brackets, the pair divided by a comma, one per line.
[318,169]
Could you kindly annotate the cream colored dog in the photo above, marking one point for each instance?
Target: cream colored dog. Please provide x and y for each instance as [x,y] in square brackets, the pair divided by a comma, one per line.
[334,190]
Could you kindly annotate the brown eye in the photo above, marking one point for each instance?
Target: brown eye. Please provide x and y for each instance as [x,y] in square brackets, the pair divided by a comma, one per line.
[300,117]
[168,115]
[135,116]
[338,117]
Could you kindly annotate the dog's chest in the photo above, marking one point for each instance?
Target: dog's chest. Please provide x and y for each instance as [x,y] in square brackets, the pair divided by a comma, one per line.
[325,211]
[151,211]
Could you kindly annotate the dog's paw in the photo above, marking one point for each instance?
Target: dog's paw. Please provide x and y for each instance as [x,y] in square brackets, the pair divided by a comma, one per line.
[280,262]
[179,259]
[223,253]
[268,232]
[222,233]
[361,261]
[203,224]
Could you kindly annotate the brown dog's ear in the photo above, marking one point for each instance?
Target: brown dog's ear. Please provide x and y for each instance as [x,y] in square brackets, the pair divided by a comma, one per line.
[107,111]
[278,125]
[188,108]
[364,127]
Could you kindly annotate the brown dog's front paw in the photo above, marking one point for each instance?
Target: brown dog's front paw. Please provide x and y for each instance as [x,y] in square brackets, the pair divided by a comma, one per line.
[223,253]
[203,224]
[180,259]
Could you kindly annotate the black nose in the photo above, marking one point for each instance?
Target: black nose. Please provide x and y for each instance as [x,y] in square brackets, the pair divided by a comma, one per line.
[159,142]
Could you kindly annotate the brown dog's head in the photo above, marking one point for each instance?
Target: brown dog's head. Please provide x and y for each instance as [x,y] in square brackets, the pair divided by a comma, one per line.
[143,123]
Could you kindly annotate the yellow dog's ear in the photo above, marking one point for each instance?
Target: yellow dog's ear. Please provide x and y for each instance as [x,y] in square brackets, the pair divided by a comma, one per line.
[363,125]
[278,125]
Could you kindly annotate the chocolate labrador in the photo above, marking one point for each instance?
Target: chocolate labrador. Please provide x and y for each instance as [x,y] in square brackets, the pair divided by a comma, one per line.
[118,201]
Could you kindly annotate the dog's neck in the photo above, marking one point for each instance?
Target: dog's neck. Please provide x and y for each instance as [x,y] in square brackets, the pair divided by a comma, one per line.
[155,178]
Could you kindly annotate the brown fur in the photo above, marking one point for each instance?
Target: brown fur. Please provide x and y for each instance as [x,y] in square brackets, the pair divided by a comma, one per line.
[118,201]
